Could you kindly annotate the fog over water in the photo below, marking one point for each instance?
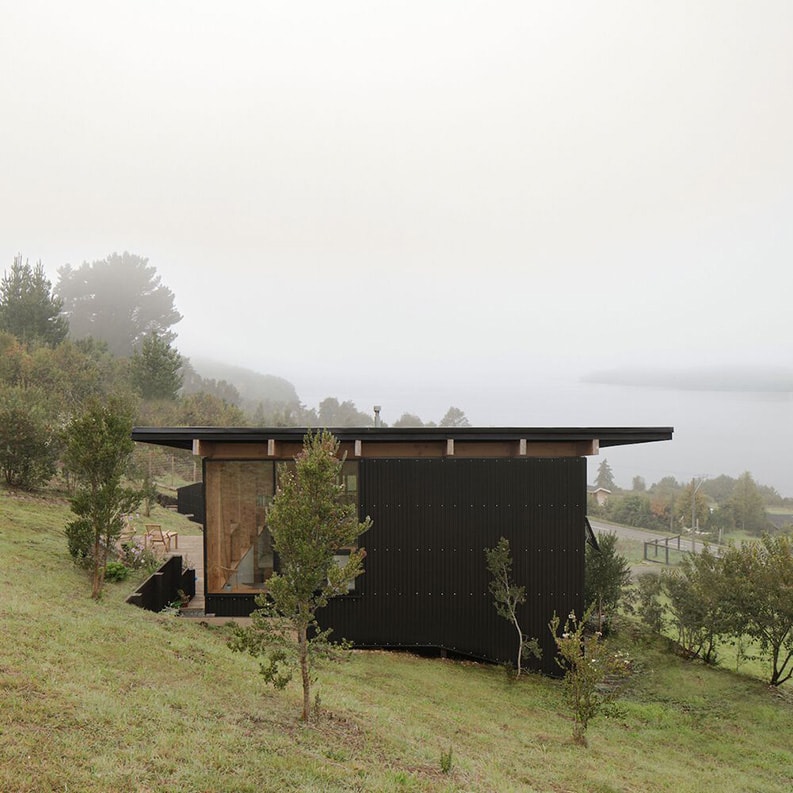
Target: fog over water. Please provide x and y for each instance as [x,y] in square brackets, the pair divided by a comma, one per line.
[716,432]
[425,204]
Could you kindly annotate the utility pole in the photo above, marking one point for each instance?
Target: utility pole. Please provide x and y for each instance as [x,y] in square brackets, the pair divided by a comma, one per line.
[695,486]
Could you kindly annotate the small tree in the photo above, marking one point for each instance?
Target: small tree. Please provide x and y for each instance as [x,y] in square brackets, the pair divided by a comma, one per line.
[747,505]
[649,607]
[98,448]
[692,505]
[606,577]
[508,597]
[454,417]
[309,522]
[155,369]
[758,592]
[408,420]
[696,598]
[588,664]
[345,414]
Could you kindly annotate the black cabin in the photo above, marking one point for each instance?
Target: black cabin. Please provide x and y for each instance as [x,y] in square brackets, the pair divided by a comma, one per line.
[437,498]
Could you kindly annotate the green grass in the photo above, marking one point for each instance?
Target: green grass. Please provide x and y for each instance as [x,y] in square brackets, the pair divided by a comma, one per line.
[102,696]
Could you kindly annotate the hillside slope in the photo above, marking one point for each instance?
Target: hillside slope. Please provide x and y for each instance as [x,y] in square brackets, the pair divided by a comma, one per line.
[253,387]
[103,696]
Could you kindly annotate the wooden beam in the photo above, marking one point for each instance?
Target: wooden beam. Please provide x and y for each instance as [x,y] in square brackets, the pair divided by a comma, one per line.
[459,448]
[589,448]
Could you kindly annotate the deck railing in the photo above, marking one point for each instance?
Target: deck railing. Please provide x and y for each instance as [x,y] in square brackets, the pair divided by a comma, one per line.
[162,587]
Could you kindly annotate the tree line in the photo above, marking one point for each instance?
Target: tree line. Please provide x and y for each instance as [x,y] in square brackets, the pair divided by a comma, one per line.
[714,506]
[742,597]
[107,328]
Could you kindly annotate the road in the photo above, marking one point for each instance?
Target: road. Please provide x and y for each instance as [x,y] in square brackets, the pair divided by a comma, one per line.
[643,535]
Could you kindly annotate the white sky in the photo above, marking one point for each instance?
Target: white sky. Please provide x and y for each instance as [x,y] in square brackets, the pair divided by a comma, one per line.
[405,199]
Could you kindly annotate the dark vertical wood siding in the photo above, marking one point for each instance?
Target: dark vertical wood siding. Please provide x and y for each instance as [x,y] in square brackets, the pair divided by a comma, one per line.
[190,501]
[426,583]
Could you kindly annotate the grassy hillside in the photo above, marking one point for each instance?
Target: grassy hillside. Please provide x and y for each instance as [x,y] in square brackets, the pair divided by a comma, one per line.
[102,696]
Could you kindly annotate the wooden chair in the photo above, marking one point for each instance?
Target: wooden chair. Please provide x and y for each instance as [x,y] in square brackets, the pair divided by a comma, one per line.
[156,536]
[127,534]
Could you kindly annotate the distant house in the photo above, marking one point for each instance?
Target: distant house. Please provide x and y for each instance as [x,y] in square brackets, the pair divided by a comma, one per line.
[437,497]
[600,494]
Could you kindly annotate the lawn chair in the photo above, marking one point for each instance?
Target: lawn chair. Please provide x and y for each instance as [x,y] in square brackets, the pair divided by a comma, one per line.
[156,536]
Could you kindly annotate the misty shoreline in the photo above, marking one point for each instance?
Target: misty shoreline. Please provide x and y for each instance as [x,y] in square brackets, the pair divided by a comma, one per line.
[727,379]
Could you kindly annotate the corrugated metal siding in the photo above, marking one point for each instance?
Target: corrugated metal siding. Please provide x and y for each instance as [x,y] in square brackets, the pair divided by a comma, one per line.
[231,605]
[426,583]
[190,501]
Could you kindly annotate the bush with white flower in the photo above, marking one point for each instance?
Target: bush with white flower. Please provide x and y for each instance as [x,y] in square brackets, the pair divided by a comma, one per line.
[592,672]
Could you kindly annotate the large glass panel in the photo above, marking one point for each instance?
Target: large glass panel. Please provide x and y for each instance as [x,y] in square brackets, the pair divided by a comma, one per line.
[239,547]
[240,555]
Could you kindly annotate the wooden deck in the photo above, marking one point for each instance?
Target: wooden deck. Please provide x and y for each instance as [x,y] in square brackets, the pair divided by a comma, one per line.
[191,549]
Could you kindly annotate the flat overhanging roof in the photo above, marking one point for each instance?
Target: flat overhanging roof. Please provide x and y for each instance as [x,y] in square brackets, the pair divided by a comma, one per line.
[183,437]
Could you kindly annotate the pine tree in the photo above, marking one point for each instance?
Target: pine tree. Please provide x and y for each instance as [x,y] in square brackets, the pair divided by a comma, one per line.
[454,417]
[28,309]
[605,478]
[747,505]
[155,369]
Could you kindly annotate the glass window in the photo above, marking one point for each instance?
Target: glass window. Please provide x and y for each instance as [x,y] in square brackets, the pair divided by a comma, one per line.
[341,557]
[239,547]
[240,555]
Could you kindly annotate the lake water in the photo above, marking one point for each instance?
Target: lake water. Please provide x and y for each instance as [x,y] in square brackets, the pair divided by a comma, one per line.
[716,432]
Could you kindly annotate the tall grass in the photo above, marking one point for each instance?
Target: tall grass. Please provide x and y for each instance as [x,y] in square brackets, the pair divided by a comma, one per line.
[105,697]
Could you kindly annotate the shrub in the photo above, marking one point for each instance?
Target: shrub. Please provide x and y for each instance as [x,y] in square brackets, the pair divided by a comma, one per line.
[80,539]
[446,760]
[28,447]
[116,571]
[697,593]
[590,671]
[137,558]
